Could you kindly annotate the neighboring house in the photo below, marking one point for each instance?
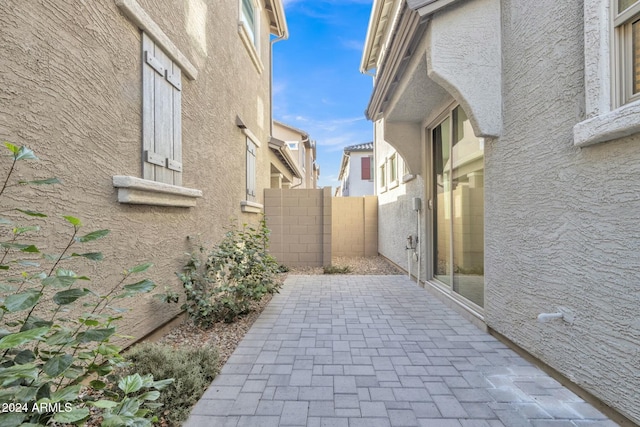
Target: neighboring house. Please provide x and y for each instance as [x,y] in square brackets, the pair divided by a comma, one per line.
[156,115]
[521,121]
[356,171]
[303,151]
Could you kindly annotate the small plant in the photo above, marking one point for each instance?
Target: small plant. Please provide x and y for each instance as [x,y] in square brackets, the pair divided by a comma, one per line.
[55,332]
[221,283]
[192,369]
[334,269]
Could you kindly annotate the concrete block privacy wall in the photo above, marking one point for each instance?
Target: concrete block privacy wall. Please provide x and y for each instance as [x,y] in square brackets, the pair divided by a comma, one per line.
[300,223]
[308,226]
[355,226]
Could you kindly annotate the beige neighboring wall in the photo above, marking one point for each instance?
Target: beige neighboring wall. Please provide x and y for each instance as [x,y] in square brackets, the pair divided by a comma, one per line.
[300,224]
[71,91]
[355,226]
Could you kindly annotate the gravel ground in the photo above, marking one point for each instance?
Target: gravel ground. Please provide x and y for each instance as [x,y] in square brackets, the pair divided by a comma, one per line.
[226,336]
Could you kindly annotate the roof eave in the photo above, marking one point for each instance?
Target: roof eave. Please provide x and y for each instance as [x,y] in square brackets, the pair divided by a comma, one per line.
[278,21]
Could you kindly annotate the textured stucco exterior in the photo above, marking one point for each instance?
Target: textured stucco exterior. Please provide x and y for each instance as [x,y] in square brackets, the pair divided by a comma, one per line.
[71,91]
[560,222]
[397,219]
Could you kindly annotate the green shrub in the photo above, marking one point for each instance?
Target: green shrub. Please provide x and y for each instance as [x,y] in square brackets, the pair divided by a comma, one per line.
[54,332]
[192,369]
[334,269]
[221,283]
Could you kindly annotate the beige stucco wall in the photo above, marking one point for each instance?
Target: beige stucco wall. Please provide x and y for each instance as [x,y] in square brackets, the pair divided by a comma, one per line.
[71,90]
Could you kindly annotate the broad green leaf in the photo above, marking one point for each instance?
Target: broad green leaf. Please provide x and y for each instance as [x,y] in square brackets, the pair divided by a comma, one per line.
[32,213]
[73,220]
[31,249]
[21,301]
[140,287]
[130,383]
[62,337]
[57,365]
[161,384]
[13,373]
[72,416]
[19,338]
[140,268]
[68,296]
[94,235]
[6,288]
[111,420]
[150,395]
[66,394]
[94,256]
[89,322]
[97,335]
[104,404]
[97,384]
[48,181]
[12,419]
[35,322]
[4,267]
[25,356]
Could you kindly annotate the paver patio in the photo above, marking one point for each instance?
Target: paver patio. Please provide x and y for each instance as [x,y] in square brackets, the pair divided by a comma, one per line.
[379,351]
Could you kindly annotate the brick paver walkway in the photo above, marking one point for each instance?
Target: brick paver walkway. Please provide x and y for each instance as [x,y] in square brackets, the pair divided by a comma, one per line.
[371,351]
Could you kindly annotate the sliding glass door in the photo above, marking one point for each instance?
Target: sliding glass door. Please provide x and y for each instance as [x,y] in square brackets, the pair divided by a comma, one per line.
[457,162]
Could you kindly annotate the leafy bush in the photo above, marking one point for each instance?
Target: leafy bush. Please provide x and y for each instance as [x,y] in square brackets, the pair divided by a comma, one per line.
[47,352]
[334,269]
[221,283]
[192,369]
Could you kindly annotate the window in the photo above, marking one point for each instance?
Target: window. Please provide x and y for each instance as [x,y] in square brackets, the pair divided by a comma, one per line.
[161,115]
[163,66]
[383,176]
[612,95]
[249,20]
[249,29]
[393,169]
[365,168]
[457,197]
[626,24]
[251,170]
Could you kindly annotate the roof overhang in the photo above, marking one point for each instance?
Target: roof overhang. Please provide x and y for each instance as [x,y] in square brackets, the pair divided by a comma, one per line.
[427,7]
[277,19]
[378,24]
[282,152]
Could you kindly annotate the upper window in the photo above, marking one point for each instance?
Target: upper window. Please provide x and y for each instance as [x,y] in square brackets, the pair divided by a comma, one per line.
[161,115]
[393,169]
[626,23]
[249,29]
[249,19]
[365,168]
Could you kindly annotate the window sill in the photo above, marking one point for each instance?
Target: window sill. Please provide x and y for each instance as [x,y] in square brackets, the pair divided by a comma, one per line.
[137,191]
[621,122]
[251,48]
[408,177]
[393,184]
[251,207]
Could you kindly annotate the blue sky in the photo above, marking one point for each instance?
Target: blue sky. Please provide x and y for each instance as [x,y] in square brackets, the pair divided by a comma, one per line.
[317,84]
